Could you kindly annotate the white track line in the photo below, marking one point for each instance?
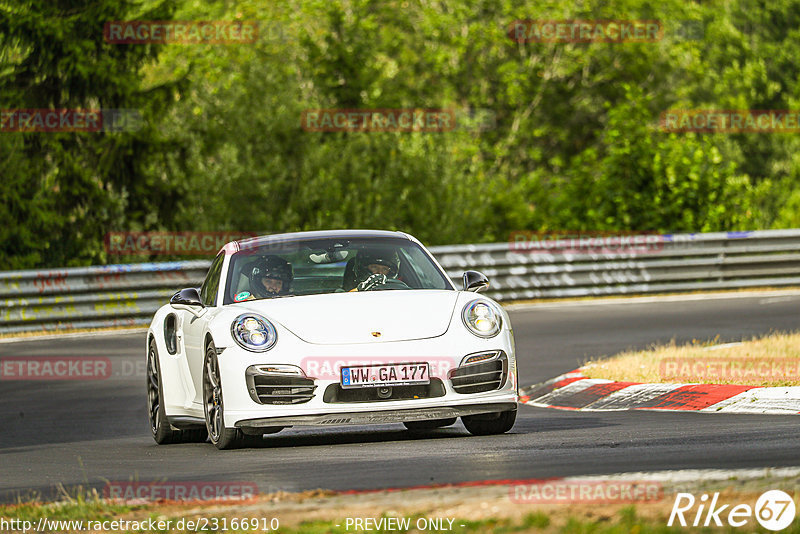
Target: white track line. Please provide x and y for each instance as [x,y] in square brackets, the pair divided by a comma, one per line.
[50,337]
[606,301]
[693,475]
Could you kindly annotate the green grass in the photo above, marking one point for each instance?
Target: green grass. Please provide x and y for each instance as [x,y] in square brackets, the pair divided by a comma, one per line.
[76,504]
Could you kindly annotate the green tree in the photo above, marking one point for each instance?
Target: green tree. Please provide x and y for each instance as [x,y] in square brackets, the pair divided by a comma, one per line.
[62,192]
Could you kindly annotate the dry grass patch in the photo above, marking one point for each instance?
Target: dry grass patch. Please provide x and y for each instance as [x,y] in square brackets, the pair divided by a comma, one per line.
[773,360]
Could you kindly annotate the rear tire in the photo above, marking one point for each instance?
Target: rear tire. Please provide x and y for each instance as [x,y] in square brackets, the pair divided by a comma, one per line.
[488,424]
[429,424]
[163,432]
[214,408]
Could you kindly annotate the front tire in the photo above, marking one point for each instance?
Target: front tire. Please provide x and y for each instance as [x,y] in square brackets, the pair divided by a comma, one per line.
[214,408]
[488,424]
[163,432]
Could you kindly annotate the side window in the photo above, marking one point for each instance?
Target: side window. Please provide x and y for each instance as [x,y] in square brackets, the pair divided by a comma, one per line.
[208,293]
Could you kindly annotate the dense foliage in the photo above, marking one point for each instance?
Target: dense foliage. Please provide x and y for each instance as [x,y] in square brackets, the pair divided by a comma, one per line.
[572,142]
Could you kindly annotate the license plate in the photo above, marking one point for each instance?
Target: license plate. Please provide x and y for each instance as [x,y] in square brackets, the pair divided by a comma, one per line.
[395,374]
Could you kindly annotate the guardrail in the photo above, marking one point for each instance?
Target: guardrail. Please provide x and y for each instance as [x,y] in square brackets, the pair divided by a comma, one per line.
[113,295]
[91,297]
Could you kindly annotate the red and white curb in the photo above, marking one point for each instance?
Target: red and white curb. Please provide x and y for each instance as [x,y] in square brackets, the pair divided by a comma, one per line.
[574,391]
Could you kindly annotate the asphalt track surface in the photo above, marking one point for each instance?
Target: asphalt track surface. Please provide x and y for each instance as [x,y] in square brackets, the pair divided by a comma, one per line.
[89,433]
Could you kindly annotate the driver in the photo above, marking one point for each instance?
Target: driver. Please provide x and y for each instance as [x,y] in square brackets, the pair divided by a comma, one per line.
[271,276]
[374,267]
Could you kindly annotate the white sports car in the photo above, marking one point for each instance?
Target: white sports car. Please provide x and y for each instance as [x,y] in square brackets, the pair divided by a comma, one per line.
[328,328]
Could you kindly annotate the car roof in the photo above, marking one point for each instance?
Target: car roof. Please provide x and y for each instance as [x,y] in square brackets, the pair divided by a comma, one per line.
[318,234]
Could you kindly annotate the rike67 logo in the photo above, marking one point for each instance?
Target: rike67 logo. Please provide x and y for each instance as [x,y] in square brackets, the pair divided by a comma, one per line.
[774,510]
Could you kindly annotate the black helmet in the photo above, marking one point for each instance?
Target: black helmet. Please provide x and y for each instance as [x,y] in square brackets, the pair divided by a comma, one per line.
[270,267]
[367,257]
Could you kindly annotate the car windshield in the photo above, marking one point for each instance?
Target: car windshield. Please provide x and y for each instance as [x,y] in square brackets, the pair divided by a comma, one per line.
[318,266]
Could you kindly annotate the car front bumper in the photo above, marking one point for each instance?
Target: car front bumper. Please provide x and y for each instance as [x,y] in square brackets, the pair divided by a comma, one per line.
[377,416]
[241,410]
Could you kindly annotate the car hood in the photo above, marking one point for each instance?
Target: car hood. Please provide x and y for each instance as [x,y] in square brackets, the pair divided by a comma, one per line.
[368,317]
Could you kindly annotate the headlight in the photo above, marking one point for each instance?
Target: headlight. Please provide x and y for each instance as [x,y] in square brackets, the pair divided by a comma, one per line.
[482,319]
[253,332]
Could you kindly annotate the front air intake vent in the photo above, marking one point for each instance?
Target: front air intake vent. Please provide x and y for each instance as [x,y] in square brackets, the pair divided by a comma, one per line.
[480,377]
[277,389]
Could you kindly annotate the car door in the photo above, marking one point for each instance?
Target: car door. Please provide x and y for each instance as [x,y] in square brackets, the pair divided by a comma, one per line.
[194,325]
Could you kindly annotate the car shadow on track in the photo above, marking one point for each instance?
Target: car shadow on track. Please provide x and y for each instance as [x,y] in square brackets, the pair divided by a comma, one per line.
[528,424]
[541,425]
[311,438]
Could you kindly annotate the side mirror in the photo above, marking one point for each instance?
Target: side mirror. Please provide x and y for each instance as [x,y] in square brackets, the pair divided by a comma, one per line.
[187,297]
[475,281]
